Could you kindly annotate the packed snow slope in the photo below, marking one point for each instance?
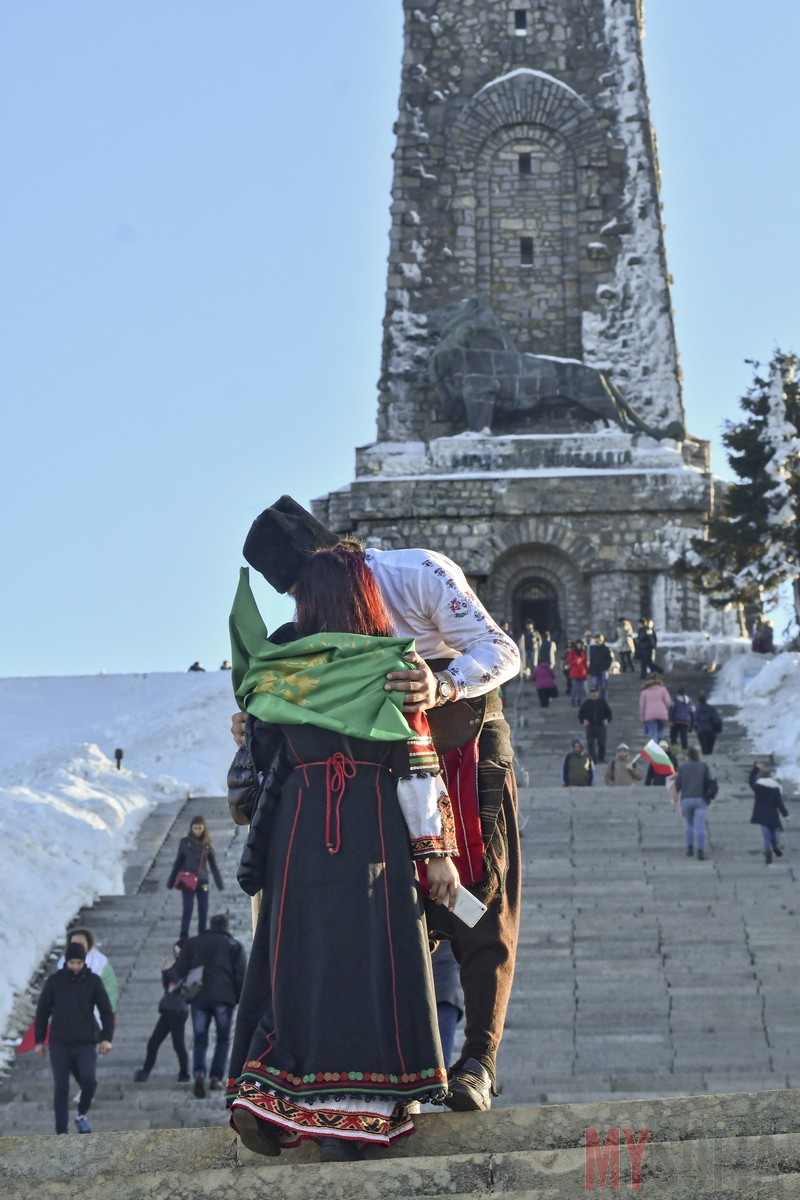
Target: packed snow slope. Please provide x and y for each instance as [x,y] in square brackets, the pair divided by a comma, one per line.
[67,815]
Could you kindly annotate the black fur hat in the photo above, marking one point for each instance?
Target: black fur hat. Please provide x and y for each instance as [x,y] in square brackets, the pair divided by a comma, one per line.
[74,950]
[282,539]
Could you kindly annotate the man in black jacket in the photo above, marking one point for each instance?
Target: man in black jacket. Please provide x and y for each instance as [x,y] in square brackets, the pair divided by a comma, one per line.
[68,1001]
[595,716]
[223,961]
[600,660]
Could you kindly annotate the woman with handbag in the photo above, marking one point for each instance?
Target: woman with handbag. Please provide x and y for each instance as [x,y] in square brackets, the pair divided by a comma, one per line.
[190,873]
[172,1013]
[336,1032]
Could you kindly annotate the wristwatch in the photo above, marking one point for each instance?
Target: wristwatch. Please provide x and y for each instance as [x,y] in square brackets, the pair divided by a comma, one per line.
[445,689]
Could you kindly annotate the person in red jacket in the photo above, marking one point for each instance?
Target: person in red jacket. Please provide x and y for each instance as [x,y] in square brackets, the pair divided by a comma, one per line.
[578,668]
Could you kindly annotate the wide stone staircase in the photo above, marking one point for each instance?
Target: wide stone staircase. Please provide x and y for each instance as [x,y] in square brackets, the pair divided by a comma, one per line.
[652,1040]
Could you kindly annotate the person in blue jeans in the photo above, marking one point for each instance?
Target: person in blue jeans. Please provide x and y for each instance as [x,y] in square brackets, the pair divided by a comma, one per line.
[67,1002]
[195,854]
[691,780]
[766,809]
[224,962]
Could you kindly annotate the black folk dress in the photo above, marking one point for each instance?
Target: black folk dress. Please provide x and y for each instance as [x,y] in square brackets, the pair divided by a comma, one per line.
[336,1031]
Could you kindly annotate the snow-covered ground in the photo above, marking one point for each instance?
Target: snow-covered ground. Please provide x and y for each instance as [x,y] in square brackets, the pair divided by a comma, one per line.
[67,815]
[767,689]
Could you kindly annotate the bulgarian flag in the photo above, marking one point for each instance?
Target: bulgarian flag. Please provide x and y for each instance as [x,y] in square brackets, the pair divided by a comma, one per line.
[659,760]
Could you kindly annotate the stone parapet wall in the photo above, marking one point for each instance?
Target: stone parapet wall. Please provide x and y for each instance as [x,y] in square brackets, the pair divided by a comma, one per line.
[596,535]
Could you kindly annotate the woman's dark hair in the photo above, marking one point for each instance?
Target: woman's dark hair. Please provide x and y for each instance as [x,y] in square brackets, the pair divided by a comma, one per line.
[335,593]
[205,838]
[75,930]
[693,753]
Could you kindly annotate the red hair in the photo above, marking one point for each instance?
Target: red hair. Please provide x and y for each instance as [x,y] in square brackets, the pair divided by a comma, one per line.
[335,593]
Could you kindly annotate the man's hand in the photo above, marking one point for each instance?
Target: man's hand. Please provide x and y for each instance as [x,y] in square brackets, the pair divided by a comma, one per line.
[104,1047]
[442,881]
[237,727]
[419,684]
[40,1049]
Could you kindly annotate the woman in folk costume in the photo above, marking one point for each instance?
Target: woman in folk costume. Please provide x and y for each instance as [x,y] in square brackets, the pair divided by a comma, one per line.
[336,1031]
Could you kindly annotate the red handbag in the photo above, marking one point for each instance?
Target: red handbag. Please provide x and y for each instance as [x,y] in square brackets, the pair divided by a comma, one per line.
[187,881]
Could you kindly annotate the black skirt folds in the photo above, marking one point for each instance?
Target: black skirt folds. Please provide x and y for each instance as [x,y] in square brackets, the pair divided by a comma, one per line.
[336,1031]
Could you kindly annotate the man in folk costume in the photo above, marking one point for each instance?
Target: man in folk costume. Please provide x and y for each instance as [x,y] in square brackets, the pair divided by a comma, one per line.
[462,658]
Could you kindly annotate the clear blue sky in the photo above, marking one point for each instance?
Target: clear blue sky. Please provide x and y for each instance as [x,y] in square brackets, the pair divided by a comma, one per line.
[195,201]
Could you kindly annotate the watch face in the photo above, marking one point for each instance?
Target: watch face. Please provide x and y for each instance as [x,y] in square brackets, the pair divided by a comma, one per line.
[446,688]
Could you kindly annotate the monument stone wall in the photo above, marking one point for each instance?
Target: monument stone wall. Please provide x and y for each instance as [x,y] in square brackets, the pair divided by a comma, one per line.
[530,420]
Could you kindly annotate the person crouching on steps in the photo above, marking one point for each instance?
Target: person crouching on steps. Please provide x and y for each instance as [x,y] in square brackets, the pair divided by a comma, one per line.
[766,809]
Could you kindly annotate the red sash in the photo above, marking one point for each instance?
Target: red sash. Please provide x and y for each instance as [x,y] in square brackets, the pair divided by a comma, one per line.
[460,775]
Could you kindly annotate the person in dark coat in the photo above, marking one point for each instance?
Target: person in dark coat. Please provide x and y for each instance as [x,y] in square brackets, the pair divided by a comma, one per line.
[224,962]
[340,975]
[68,1000]
[767,809]
[708,724]
[645,647]
[600,660]
[195,854]
[766,638]
[173,1012]
[681,716]
[595,716]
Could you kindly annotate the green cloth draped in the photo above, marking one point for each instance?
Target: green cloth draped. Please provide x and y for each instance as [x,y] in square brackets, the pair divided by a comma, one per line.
[333,680]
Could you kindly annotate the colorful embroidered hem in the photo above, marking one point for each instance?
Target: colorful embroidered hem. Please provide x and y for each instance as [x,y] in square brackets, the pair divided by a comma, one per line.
[379,1122]
[425,1085]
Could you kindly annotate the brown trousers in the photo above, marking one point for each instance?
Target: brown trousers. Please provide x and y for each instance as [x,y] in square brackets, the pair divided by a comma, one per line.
[486,953]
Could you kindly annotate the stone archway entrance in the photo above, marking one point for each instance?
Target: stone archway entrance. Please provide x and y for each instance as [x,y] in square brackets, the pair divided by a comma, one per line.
[543,583]
[534,599]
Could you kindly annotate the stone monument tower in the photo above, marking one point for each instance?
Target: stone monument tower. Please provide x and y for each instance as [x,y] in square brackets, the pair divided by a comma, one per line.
[530,419]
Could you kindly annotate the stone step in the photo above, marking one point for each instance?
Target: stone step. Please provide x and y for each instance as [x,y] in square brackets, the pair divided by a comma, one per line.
[741,1146]
[620,996]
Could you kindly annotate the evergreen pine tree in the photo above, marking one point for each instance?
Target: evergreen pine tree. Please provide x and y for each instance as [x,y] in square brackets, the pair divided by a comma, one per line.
[752,544]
